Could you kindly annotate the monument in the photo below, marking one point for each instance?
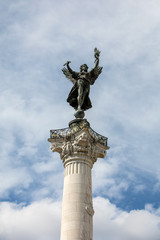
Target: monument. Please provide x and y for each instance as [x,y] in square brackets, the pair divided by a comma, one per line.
[79,147]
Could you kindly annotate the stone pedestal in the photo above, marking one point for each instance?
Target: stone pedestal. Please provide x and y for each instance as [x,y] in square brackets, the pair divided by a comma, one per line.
[79,147]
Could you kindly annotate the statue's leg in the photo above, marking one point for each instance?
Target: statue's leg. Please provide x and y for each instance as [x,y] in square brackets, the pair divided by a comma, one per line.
[85,91]
[80,97]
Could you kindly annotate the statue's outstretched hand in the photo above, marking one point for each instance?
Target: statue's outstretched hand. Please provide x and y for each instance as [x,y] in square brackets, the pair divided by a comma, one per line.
[67,63]
[96,54]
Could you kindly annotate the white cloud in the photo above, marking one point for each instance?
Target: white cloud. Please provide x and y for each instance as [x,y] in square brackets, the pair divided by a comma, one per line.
[41,220]
[115,224]
[11,178]
[107,180]
[37,38]
[24,133]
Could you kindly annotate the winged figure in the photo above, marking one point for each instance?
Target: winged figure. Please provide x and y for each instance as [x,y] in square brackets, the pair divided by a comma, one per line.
[78,97]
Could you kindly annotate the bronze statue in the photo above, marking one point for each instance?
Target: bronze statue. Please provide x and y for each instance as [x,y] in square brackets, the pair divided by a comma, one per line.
[78,97]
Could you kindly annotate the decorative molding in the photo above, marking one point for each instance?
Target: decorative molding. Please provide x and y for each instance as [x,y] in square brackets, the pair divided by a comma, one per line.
[76,167]
[79,144]
[89,209]
[74,127]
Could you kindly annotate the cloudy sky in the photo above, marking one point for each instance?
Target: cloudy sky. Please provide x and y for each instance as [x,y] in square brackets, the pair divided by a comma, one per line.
[36,38]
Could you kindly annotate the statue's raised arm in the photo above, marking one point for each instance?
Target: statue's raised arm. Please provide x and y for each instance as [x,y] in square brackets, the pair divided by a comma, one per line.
[94,73]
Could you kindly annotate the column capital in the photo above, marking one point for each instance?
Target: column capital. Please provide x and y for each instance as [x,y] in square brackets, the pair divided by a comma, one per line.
[79,143]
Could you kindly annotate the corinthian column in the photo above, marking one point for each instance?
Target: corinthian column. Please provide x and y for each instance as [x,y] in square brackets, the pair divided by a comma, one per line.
[79,147]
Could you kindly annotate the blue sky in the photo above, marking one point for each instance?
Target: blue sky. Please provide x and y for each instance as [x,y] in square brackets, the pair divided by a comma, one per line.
[36,38]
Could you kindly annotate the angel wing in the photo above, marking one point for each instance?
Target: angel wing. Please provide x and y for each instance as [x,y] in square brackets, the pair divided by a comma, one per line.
[71,76]
[94,73]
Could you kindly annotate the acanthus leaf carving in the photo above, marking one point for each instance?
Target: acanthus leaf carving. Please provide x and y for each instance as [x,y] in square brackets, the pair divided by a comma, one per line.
[81,145]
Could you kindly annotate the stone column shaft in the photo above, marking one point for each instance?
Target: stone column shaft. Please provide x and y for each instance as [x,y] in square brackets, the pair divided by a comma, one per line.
[79,147]
[77,209]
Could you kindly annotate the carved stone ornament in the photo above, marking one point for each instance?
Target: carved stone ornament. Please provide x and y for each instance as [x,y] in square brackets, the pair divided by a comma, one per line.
[80,143]
[89,209]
